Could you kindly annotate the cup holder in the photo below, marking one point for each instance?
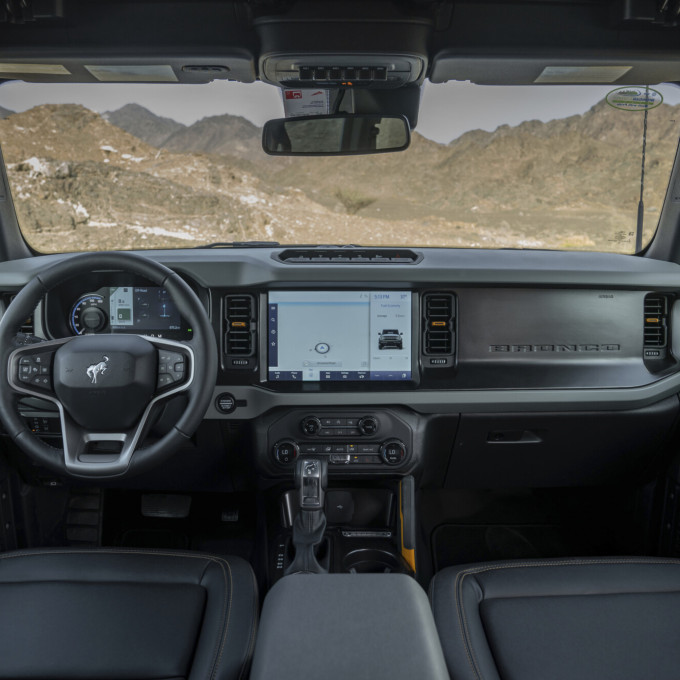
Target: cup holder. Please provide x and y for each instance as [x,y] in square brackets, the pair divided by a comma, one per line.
[372,561]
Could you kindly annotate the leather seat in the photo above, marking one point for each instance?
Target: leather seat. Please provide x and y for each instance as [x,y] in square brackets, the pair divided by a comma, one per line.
[599,619]
[115,614]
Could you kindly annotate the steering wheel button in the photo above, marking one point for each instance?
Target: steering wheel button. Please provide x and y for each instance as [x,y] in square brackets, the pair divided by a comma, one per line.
[179,367]
[25,360]
[44,370]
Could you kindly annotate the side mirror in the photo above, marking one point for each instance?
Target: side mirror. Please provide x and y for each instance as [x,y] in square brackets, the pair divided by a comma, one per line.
[338,135]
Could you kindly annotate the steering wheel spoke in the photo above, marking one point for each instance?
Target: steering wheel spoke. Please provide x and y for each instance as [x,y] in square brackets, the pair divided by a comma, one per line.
[31,369]
[175,366]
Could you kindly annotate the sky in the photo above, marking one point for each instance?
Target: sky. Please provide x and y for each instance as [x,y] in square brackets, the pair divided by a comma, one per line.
[446,111]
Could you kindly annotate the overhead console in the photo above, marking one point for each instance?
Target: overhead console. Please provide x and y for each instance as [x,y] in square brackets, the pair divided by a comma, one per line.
[308,46]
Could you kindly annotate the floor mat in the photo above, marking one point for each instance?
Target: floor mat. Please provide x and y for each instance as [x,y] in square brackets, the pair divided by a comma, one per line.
[216,524]
[459,543]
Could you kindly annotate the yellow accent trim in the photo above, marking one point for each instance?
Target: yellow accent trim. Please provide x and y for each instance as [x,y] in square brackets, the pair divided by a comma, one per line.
[410,557]
[409,554]
[652,320]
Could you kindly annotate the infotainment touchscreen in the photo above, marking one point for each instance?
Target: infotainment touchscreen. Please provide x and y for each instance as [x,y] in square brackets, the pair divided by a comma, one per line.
[339,335]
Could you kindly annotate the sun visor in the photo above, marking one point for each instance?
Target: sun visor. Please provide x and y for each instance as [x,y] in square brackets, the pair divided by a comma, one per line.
[159,68]
[572,68]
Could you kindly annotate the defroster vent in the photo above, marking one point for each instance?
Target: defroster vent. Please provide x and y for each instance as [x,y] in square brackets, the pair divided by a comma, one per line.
[438,327]
[240,338]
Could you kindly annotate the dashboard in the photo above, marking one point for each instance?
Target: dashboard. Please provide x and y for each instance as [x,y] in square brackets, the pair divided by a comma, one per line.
[374,363]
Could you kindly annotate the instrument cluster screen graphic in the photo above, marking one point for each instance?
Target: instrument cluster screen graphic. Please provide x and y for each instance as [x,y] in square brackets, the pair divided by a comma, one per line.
[339,335]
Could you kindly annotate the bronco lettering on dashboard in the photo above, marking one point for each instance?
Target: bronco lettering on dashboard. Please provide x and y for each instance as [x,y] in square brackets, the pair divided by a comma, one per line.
[555,348]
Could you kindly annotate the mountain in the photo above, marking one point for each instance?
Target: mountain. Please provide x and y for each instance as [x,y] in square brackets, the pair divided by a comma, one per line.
[221,135]
[81,182]
[142,123]
[5,112]
[224,135]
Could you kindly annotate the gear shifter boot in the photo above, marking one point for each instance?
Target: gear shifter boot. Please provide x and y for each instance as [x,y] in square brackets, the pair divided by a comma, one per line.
[308,530]
[311,477]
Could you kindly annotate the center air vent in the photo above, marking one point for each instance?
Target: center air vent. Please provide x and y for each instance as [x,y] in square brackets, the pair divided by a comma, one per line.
[240,336]
[349,256]
[438,327]
[655,317]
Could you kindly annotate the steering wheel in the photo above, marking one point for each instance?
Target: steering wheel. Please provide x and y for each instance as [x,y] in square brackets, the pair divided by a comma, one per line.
[105,386]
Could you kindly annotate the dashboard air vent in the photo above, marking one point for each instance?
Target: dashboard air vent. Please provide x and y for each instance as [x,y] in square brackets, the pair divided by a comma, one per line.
[348,256]
[241,326]
[28,326]
[655,318]
[438,315]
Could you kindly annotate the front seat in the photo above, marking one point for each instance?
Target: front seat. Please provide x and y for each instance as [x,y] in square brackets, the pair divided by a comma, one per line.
[591,619]
[117,614]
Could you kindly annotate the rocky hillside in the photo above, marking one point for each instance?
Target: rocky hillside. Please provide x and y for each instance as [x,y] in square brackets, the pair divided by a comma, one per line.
[131,179]
[143,124]
[222,135]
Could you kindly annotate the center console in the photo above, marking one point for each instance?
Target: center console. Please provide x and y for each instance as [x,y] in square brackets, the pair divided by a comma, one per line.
[330,626]
[350,441]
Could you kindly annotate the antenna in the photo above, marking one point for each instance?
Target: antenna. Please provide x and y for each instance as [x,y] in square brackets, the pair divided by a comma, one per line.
[641,203]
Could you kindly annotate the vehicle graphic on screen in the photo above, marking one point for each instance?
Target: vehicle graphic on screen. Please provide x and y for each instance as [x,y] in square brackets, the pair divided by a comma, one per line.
[390,339]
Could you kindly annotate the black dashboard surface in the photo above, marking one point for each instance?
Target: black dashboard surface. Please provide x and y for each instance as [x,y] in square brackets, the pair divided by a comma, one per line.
[529,330]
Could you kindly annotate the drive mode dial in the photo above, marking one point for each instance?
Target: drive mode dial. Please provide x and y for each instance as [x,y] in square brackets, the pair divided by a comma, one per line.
[310,425]
[368,425]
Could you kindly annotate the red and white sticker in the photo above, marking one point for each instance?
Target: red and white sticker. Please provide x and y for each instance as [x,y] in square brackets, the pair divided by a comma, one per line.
[306,102]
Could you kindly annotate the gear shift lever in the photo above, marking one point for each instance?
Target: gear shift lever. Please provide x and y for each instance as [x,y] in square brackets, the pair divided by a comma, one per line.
[311,478]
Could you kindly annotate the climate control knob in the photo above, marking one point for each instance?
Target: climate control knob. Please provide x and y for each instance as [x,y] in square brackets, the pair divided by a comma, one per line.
[285,451]
[393,452]
[310,425]
[368,425]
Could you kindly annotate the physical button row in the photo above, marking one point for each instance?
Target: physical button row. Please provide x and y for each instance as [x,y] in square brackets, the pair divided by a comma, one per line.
[347,459]
[346,73]
[171,368]
[339,422]
[339,448]
[36,369]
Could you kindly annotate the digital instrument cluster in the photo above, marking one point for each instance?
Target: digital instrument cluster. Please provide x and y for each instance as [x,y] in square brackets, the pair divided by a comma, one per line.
[145,310]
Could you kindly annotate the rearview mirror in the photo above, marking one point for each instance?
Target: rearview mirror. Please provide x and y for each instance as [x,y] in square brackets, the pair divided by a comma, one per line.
[338,135]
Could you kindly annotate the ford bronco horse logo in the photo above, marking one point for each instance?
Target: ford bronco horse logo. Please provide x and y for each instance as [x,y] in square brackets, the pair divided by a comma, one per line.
[97,369]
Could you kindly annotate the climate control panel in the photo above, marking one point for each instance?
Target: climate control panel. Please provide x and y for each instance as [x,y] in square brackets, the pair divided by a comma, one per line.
[359,442]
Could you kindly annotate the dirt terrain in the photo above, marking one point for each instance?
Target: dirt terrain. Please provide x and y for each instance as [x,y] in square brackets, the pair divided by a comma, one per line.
[79,182]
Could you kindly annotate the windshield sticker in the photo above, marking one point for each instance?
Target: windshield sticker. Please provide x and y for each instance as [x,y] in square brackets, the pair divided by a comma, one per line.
[42,69]
[634,98]
[306,102]
[582,74]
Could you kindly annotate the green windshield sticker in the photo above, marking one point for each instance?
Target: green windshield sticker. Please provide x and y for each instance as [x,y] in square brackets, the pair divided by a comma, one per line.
[634,98]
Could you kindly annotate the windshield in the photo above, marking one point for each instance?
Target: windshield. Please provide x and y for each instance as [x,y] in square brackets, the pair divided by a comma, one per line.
[100,167]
